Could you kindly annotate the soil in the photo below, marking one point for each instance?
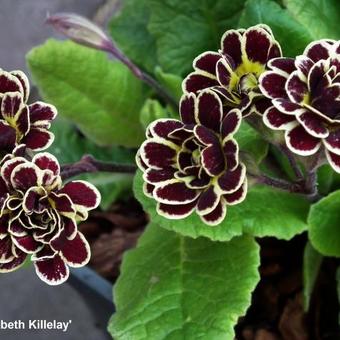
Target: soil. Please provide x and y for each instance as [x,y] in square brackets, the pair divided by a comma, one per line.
[276,312]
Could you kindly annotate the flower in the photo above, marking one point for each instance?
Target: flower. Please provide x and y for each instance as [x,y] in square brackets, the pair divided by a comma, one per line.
[233,71]
[38,217]
[305,95]
[193,164]
[21,123]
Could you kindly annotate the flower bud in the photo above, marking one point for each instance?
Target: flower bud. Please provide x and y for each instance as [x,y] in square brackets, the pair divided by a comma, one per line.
[81,30]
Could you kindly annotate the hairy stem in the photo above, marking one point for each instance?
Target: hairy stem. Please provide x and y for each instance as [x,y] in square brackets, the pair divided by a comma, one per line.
[146,78]
[292,161]
[89,164]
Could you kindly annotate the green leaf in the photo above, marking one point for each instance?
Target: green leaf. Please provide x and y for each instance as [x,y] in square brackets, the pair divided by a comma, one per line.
[325,179]
[101,96]
[129,29]
[173,287]
[250,141]
[292,36]
[69,146]
[184,29]
[172,82]
[312,260]
[265,212]
[323,220]
[318,17]
[152,110]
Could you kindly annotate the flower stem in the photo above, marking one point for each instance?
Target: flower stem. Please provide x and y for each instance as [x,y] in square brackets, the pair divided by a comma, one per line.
[89,164]
[278,183]
[292,161]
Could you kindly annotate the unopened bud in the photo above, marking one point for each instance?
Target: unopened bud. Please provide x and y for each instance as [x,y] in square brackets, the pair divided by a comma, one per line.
[81,30]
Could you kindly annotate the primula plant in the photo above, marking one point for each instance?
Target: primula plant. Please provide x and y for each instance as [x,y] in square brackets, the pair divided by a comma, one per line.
[228,116]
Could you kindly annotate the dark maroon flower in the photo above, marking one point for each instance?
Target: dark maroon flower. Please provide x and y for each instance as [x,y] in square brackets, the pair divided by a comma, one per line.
[193,164]
[233,71]
[305,94]
[39,217]
[21,123]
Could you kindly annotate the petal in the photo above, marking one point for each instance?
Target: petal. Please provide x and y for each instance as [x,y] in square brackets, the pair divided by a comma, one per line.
[296,88]
[76,252]
[313,124]
[257,43]
[230,150]
[25,176]
[52,271]
[197,81]
[272,84]
[158,153]
[30,201]
[153,176]
[231,46]
[82,193]
[288,107]
[42,113]
[301,142]
[12,103]
[9,83]
[237,196]
[210,110]
[6,254]
[175,193]
[45,253]
[38,139]
[207,201]
[332,142]
[7,137]
[217,215]
[46,161]
[213,160]
[70,228]
[286,65]
[231,123]
[14,264]
[24,83]
[277,120]
[274,51]
[176,212]
[188,108]
[303,65]
[8,167]
[63,204]
[27,244]
[163,127]
[318,50]
[205,135]
[333,160]
[231,180]
[16,228]
[148,189]
[225,75]
[206,62]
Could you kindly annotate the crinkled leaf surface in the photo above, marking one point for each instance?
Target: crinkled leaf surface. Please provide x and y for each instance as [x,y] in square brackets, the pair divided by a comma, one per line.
[183,29]
[152,110]
[128,27]
[324,225]
[265,212]
[291,34]
[319,17]
[69,146]
[173,287]
[101,96]
[312,260]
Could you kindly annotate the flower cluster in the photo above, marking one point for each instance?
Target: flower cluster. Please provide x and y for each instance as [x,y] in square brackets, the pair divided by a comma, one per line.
[38,214]
[193,164]
[305,94]
[233,72]
[21,123]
